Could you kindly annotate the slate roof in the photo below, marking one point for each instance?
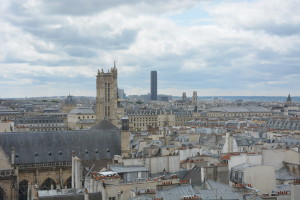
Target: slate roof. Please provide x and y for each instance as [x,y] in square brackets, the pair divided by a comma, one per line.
[283,124]
[242,141]
[82,110]
[70,100]
[194,175]
[219,190]
[142,197]
[283,187]
[40,147]
[175,193]
[74,196]
[126,169]
[241,109]
[105,125]
[290,141]
[284,174]
[86,121]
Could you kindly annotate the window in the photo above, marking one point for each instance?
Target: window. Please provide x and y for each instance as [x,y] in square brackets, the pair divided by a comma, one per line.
[48,184]
[107,92]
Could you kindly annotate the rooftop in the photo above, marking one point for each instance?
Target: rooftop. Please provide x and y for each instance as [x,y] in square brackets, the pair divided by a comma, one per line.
[82,110]
[126,169]
[241,109]
[59,146]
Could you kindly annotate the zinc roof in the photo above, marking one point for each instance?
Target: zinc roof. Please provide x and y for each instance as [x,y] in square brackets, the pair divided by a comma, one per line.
[242,109]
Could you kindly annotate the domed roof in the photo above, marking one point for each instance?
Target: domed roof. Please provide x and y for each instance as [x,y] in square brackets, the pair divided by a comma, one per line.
[70,100]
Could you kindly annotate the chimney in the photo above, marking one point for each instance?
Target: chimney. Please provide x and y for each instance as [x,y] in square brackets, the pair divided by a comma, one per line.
[86,194]
[13,153]
[125,123]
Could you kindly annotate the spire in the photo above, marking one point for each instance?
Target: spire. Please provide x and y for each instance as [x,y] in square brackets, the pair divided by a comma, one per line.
[289,98]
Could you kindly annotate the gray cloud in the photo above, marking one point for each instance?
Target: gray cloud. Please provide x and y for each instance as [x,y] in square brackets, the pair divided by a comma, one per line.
[244,48]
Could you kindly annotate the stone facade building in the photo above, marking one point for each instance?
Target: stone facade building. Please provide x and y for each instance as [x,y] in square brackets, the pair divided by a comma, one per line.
[69,104]
[44,160]
[81,118]
[107,95]
[143,119]
[239,111]
[40,124]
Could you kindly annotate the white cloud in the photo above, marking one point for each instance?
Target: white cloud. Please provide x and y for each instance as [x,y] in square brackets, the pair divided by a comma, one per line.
[246,46]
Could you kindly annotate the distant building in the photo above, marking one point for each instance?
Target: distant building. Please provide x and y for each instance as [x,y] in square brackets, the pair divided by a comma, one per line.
[44,160]
[10,115]
[142,119]
[121,93]
[69,104]
[7,126]
[164,98]
[145,97]
[255,176]
[39,124]
[184,98]
[289,101]
[195,97]
[81,118]
[154,85]
[239,111]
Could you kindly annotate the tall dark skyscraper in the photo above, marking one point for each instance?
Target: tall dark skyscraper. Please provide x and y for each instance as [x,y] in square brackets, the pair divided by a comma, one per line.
[154,85]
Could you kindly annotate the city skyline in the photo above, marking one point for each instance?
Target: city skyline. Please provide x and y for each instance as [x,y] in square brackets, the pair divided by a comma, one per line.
[217,48]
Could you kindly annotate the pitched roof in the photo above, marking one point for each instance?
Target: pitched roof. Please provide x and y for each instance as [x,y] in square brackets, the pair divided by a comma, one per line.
[126,169]
[194,175]
[70,194]
[284,174]
[104,124]
[241,109]
[41,147]
[82,110]
[175,193]
[70,100]
[219,191]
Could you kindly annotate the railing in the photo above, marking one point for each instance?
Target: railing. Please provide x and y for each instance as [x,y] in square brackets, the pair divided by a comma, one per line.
[5,173]
[52,164]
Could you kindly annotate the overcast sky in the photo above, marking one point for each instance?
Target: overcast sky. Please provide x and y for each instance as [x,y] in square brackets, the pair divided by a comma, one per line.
[234,47]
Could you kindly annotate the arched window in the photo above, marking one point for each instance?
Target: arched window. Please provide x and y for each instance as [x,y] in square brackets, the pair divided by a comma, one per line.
[23,190]
[68,183]
[46,185]
[2,194]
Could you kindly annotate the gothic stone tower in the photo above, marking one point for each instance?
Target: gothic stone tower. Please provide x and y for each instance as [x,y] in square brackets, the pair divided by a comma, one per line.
[195,97]
[289,101]
[107,95]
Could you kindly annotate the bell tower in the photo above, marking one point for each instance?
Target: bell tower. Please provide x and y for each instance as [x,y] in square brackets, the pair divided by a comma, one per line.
[107,95]
[195,97]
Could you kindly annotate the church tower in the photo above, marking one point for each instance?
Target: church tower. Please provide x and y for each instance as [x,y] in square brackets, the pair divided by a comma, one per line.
[289,101]
[184,98]
[107,95]
[195,97]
